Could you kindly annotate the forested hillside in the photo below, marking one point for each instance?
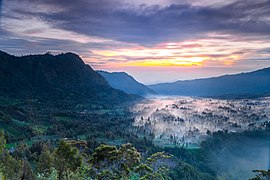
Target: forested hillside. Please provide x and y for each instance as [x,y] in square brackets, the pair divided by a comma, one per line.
[59,77]
[126,83]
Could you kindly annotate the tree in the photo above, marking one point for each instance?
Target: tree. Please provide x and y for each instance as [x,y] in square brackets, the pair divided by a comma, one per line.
[102,162]
[82,173]
[51,176]
[2,141]
[11,168]
[114,163]
[45,163]
[155,167]
[261,175]
[110,162]
[27,172]
[129,155]
[67,159]
[103,153]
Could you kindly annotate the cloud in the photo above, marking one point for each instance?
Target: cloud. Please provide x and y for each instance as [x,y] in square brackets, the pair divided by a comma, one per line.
[127,34]
[211,51]
[149,23]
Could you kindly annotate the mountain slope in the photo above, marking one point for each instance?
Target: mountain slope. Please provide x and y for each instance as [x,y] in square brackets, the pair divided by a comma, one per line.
[63,76]
[126,83]
[254,83]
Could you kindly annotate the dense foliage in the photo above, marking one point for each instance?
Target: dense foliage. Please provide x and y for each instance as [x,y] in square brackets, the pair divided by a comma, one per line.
[71,160]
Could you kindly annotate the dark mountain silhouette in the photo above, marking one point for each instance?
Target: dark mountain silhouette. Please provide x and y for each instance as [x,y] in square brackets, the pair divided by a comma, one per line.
[126,83]
[50,77]
[256,83]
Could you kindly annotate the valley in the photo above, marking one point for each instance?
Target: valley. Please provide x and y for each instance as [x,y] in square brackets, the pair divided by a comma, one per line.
[231,134]
[187,121]
[47,111]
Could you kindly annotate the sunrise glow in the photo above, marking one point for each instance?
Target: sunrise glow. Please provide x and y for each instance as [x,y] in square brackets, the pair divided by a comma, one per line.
[157,37]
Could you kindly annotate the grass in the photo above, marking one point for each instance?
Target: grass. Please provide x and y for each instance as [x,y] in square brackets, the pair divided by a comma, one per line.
[63,118]
[40,130]
[19,123]
[115,142]
[15,144]
[168,144]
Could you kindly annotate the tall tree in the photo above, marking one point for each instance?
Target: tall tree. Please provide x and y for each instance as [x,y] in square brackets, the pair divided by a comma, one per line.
[67,159]
[45,163]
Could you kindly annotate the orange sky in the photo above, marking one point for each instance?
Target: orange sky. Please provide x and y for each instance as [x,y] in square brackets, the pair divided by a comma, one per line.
[155,40]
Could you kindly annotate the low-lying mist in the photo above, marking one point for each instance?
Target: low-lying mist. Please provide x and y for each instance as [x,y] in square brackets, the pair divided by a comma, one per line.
[187,121]
[238,155]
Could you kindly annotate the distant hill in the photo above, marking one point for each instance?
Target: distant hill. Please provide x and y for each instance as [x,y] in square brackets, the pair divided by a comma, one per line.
[126,83]
[252,84]
[55,77]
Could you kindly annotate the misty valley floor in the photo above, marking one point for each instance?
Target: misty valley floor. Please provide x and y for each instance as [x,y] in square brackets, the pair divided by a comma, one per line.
[188,121]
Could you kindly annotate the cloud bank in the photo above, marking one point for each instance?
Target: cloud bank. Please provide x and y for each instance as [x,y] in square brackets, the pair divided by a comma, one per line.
[122,34]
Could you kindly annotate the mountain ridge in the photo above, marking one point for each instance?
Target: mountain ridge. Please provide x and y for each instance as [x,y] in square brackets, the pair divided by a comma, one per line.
[54,77]
[243,84]
[126,83]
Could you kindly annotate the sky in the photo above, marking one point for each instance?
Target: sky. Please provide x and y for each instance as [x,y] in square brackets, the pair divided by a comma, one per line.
[152,40]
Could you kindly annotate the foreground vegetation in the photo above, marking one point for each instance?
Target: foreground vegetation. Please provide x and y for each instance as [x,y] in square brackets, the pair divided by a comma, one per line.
[75,159]
[66,161]
[45,140]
